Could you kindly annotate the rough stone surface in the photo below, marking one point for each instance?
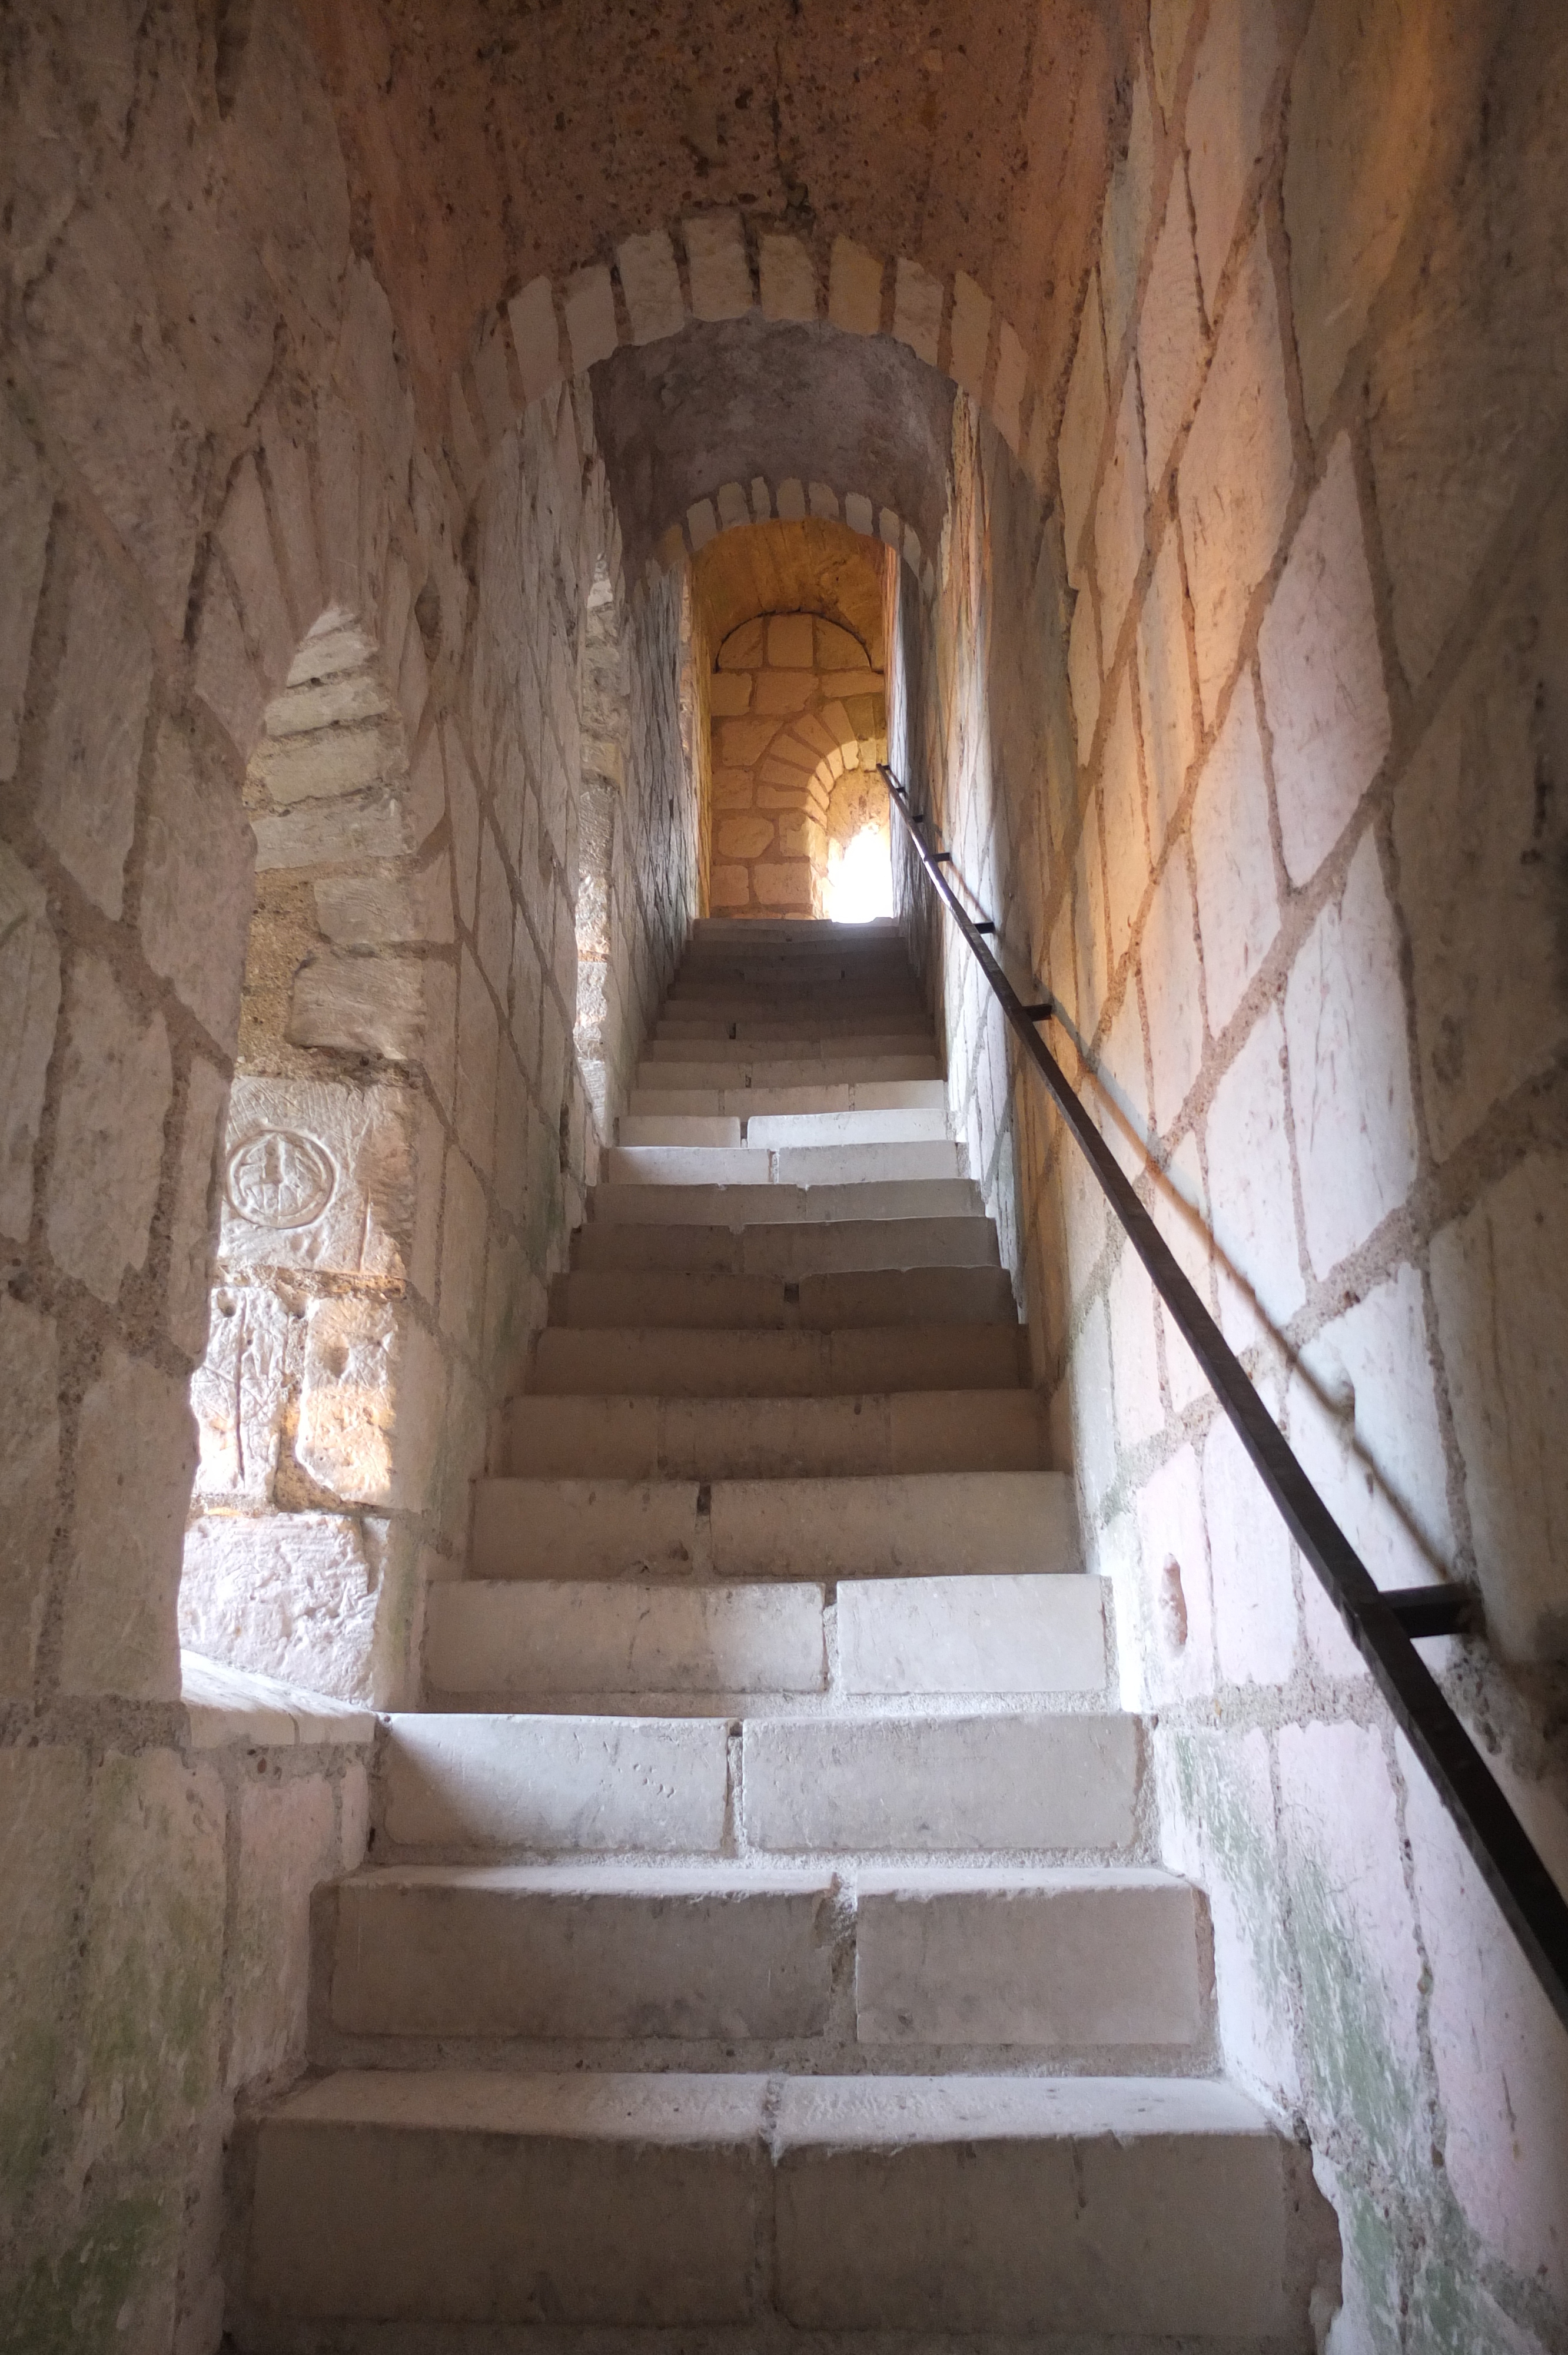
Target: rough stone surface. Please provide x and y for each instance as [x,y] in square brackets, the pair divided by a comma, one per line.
[93,750]
[291,1594]
[1170,334]
[1238,60]
[1249,1180]
[1233,856]
[135,1460]
[115,1092]
[1165,690]
[29,1481]
[29,1004]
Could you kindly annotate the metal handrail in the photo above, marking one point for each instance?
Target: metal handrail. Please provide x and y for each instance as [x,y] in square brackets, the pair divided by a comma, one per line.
[1380,1625]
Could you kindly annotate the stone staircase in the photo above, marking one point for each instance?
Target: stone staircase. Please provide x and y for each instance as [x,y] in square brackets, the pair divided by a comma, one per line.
[765,1944]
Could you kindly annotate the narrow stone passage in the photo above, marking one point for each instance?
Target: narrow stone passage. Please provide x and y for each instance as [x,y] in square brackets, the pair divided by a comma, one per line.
[764,1934]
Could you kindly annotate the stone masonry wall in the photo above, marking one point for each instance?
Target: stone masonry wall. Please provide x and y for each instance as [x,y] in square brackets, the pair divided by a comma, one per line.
[1254,748]
[223,536]
[795,707]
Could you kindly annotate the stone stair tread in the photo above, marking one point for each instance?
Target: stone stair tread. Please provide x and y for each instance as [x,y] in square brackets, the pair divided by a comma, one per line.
[855,1435]
[588,1299]
[785,1164]
[813,1099]
[760,1130]
[793,1252]
[709,1204]
[720,1361]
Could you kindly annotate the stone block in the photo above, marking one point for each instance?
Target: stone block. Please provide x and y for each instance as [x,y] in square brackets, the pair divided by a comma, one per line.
[1233,483]
[1124,228]
[152,1955]
[1118,516]
[1479,846]
[1360,127]
[854,289]
[291,1595]
[1083,432]
[1249,1559]
[1250,1189]
[977,1633]
[317,1174]
[1322,674]
[717,265]
[1228,117]
[348,1400]
[115,1091]
[136,1457]
[1124,822]
[951,1783]
[287,1845]
[29,1484]
[1170,334]
[465,1225]
[1499,1282]
[536,338]
[1363,1419]
[29,1006]
[240,1392]
[1084,671]
[1168,960]
[1058,1959]
[652,284]
[1175,1594]
[580,1785]
[1500,2053]
[26,500]
[546,1639]
[43,1851]
[495,2199]
[360,1005]
[589,305]
[917,304]
[1135,1362]
[386,910]
[197,884]
[1349,1076]
[477,1049]
[1354,1934]
[1165,690]
[1232,859]
[191,1233]
[91,757]
[970,340]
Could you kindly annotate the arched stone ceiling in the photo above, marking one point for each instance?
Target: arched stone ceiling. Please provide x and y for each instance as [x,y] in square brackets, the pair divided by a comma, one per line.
[810,567]
[494,143]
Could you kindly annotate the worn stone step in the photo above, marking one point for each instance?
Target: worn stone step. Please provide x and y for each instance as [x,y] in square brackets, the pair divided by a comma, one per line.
[790,1252]
[937,1786]
[808,1059]
[594,1952]
[814,1027]
[536,1642]
[1117,2209]
[866,990]
[588,1299]
[468,1783]
[723,1070]
[609,1361]
[816,1205]
[760,1130]
[705,1099]
[787,1164]
[711,1439]
[908,1525]
[1071,1960]
[628,1643]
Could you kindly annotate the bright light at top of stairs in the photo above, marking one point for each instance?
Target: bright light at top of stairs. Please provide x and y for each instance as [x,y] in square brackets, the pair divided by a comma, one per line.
[860,881]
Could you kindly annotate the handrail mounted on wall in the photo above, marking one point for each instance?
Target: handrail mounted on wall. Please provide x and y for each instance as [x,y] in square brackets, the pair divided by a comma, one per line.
[1381,1625]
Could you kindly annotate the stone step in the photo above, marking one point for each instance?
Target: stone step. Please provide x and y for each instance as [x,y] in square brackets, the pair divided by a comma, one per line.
[942,1785]
[1122,2210]
[707,1100]
[790,1252]
[761,1131]
[610,1362]
[1078,1963]
[711,1439]
[788,1165]
[621,1645]
[454,1784]
[809,1032]
[742,1205]
[801,1060]
[660,1081]
[868,989]
[589,1298]
[908,1525]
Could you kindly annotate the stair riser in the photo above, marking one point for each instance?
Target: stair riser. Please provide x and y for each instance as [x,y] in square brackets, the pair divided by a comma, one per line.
[785,1063]
[791,1253]
[853,1072]
[713,1439]
[616,1643]
[543,1786]
[778,1365]
[920,1525]
[704,1099]
[762,1131]
[739,1207]
[788,1164]
[865,2207]
[587,1300]
[1072,1964]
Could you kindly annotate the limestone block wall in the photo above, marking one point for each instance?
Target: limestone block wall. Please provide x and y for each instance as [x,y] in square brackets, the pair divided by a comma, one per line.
[795,707]
[256,649]
[1251,746]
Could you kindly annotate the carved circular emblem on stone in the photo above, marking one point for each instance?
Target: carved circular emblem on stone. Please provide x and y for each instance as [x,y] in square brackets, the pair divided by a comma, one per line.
[279,1179]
